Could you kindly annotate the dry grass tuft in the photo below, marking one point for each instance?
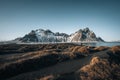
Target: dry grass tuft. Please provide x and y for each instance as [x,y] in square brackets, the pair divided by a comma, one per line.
[95,60]
[80,49]
[101,48]
[75,49]
[115,49]
[100,69]
[84,50]
[49,77]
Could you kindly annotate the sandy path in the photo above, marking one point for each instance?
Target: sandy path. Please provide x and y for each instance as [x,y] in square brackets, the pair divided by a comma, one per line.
[60,68]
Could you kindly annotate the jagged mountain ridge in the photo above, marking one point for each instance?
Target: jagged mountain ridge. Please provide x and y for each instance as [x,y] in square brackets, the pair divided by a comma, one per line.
[84,35]
[41,35]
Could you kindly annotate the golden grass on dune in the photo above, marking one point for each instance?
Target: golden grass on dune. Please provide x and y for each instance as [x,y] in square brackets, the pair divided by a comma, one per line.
[115,49]
[99,69]
[84,49]
[101,48]
[23,48]
[80,49]
[95,60]
[61,76]
[49,77]
[75,49]
[69,54]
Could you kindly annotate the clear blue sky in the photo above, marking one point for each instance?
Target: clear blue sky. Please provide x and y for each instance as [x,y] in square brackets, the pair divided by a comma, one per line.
[18,17]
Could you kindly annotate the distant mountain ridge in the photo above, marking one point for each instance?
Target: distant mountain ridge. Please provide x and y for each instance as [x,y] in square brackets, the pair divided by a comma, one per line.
[41,35]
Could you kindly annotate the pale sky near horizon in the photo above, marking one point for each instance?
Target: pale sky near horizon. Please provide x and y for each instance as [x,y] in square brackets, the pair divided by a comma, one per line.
[19,17]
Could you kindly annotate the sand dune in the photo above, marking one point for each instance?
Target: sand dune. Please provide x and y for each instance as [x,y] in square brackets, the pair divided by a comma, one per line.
[61,62]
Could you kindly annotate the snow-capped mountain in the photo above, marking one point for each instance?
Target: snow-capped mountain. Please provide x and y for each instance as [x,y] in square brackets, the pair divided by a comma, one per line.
[41,35]
[84,35]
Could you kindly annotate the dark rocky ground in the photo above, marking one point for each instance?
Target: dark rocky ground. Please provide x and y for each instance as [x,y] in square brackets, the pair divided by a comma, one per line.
[59,62]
